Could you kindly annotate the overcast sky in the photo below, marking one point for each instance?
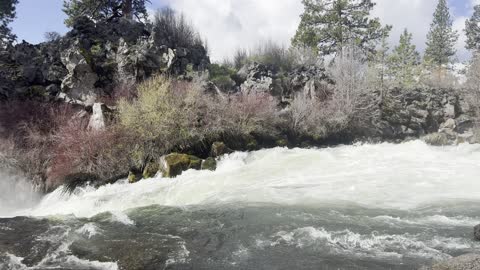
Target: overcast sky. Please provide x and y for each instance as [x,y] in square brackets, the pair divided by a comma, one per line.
[231,24]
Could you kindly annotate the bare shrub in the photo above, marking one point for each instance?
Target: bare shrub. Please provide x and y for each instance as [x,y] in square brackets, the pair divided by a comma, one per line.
[250,113]
[437,76]
[174,30]
[272,54]
[349,72]
[305,56]
[473,84]
[105,154]
[240,58]
[472,91]
[168,114]
[28,134]
[176,115]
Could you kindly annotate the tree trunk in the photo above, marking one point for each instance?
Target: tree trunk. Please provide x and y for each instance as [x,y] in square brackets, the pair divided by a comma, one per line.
[127,9]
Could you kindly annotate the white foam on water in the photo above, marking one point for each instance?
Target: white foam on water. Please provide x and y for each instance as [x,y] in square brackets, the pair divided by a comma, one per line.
[89,230]
[398,176]
[436,220]
[121,217]
[368,245]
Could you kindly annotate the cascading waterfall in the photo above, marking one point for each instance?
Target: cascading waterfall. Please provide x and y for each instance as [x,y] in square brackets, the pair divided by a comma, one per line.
[382,206]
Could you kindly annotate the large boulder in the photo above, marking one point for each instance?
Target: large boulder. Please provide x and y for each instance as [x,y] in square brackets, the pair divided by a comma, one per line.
[209,164]
[79,84]
[258,78]
[437,139]
[218,149]
[174,164]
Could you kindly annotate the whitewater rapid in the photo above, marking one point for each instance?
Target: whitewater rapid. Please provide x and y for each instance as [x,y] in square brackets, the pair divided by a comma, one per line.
[395,176]
[363,206]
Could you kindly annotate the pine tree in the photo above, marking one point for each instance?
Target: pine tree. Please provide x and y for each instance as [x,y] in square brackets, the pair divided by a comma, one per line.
[104,9]
[442,38]
[330,25]
[404,61]
[7,14]
[472,29]
[378,66]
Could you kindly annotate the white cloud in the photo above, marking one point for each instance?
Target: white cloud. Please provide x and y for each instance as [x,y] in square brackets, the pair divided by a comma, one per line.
[232,24]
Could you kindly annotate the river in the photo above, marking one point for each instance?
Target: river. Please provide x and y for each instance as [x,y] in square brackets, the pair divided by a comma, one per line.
[364,206]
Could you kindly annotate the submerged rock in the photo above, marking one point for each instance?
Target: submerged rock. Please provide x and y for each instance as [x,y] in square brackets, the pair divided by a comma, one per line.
[218,149]
[209,164]
[132,178]
[174,164]
[150,170]
[437,139]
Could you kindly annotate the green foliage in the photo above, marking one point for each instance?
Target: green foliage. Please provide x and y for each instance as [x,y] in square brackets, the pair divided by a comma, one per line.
[377,71]
[472,29]
[104,9]
[221,76]
[442,38]
[330,25]
[7,14]
[403,64]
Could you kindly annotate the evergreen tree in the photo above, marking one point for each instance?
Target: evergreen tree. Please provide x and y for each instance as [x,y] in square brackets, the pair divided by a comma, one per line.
[378,66]
[472,29]
[442,38]
[404,61]
[7,14]
[104,9]
[330,25]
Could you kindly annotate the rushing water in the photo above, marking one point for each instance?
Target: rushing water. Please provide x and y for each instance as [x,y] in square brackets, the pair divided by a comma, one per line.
[379,206]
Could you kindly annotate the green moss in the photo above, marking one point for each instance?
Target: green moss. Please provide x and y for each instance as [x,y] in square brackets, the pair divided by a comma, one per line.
[96,50]
[209,164]
[281,142]
[150,170]
[251,144]
[36,91]
[174,164]
[218,149]
[131,177]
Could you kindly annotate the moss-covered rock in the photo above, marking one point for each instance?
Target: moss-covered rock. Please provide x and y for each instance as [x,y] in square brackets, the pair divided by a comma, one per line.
[174,164]
[218,149]
[251,144]
[132,178]
[281,142]
[209,164]
[150,170]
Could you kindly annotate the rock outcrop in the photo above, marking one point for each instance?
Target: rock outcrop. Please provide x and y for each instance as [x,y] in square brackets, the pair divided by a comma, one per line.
[91,61]
[404,113]
[311,81]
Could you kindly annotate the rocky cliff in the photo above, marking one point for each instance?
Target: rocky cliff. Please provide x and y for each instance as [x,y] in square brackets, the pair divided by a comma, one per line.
[92,60]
